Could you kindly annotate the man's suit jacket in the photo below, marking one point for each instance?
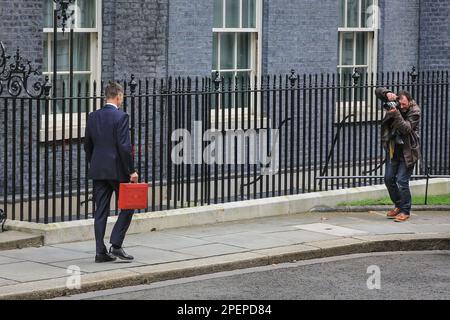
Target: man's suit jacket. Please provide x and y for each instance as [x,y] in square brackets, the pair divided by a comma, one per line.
[108,145]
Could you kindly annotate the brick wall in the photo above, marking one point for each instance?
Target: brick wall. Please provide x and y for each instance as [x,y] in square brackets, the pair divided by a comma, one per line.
[398,35]
[21,24]
[134,38]
[300,35]
[190,37]
[434,34]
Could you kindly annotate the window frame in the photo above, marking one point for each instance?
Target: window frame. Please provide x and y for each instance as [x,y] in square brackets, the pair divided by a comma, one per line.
[372,41]
[95,74]
[344,108]
[256,35]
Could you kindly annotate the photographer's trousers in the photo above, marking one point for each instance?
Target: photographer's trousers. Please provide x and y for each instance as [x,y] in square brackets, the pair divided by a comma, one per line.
[396,179]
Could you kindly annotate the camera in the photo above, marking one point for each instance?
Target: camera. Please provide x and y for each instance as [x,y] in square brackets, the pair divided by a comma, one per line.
[391,104]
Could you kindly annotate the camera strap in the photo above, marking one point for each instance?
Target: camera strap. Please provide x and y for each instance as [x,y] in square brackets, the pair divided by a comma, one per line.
[391,149]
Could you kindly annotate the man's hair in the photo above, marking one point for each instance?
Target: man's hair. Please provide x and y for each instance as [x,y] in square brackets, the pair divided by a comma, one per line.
[404,93]
[113,89]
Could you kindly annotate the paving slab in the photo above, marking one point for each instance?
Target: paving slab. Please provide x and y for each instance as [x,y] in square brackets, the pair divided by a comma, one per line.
[5,282]
[287,250]
[240,258]
[44,254]
[88,265]
[381,228]
[164,241]
[250,240]
[426,227]
[327,244]
[30,271]
[149,255]
[331,229]
[402,237]
[301,236]
[6,260]
[83,246]
[209,250]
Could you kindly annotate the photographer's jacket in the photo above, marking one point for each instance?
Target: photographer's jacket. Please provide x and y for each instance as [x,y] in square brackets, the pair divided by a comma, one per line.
[407,124]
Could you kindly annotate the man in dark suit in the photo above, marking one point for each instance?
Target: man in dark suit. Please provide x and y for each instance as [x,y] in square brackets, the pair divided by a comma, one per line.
[109,152]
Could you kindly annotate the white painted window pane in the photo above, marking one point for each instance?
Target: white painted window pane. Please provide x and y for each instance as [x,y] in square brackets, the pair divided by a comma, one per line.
[218,13]
[48,14]
[347,50]
[249,13]
[361,53]
[81,52]
[82,49]
[367,14]
[352,13]
[232,14]
[342,13]
[85,13]
[215,51]
[45,59]
[244,50]
[227,50]
[62,90]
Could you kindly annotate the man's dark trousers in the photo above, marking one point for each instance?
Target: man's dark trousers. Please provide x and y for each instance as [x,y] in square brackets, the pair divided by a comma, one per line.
[396,179]
[103,190]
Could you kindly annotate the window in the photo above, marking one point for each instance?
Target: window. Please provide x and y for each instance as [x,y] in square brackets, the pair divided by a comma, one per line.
[357,36]
[86,47]
[86,63]
[358,24]
[237,39]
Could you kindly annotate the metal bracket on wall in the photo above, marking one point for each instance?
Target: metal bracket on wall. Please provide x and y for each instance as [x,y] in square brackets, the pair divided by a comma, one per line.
[15,73]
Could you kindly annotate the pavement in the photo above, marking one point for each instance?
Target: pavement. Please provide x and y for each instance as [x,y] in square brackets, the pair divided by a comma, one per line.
[55,270]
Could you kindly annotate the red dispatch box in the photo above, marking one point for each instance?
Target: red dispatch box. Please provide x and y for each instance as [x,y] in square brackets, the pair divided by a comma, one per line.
[133,196]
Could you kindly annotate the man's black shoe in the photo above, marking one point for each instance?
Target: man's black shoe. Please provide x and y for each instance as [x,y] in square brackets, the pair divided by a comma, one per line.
[119,253]
[104,257]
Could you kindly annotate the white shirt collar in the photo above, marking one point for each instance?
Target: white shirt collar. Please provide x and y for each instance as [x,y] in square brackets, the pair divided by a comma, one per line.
[112,104]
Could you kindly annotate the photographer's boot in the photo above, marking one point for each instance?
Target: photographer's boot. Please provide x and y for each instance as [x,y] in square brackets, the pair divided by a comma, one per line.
[402,217]
[393,213]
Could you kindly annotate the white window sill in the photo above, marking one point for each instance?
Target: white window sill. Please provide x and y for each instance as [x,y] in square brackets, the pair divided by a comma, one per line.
[59,127]
[358,110]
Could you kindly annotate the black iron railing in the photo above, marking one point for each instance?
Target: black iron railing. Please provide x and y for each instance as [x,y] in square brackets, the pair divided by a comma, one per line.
[320,132]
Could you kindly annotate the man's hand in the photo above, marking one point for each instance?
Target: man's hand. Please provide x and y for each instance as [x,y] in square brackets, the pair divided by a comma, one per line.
[391,96]
[392,110]
[134,177]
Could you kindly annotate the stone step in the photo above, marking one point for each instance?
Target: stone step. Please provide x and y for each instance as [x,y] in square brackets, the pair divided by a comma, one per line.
[17,240]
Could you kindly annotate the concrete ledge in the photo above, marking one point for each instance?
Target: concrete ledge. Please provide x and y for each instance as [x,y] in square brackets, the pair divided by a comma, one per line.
[17,240]
[82,230]
[147,274]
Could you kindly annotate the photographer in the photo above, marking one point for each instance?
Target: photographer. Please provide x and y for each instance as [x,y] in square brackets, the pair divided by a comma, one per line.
[400,138]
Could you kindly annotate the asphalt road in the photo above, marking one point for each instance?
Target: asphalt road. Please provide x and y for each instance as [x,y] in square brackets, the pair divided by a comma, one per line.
[412,275]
